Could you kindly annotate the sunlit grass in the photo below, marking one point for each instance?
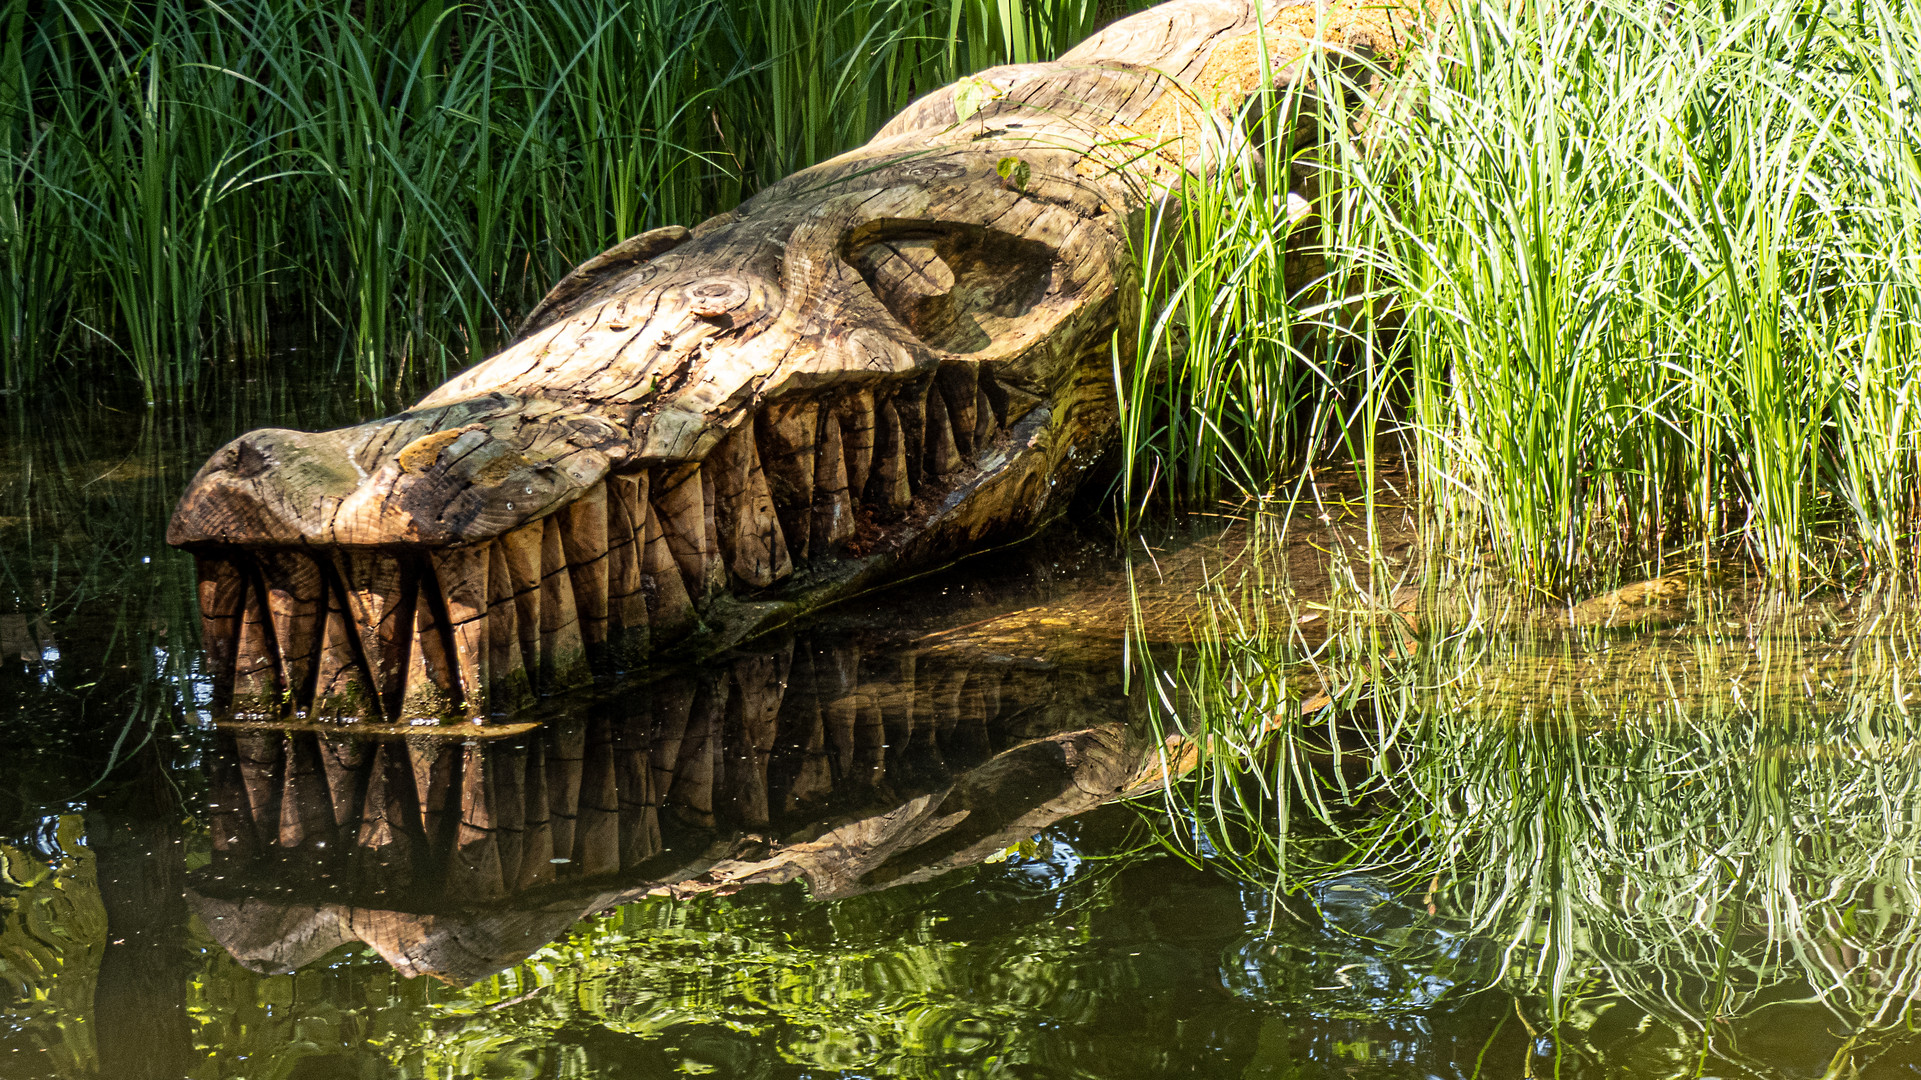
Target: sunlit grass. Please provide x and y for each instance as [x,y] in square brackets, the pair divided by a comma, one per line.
[1632,283]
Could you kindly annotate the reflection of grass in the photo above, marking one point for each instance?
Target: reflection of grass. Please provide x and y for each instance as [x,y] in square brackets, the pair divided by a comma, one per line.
[994,970]
[1709,826]
[97,614]
[52,928]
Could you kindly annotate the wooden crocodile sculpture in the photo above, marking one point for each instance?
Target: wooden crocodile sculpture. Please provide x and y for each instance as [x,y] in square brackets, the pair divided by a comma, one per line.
[881,362]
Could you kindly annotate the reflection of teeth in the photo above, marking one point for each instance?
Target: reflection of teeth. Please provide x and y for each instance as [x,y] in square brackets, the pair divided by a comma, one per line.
[775,734]
[595,586]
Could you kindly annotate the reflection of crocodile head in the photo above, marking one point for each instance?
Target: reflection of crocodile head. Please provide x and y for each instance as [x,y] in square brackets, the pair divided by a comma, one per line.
[852,770]
[878,363]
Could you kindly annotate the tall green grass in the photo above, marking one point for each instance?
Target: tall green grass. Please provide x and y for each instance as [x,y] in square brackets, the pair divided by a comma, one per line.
[1227,393]
[181,182]
[1633,281]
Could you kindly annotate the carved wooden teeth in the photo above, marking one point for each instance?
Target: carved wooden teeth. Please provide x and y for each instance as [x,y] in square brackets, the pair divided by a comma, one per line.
[776,734]
[380,598]
[787,433]
[630,629]
[469,632]
[857,430]
[686,520]
[943,453]
[752,544]
[827,465]
[833,510]
[595,587]
[296,597]
[959,388]
[465,578]
[223,597]
[910,411]
[890,486]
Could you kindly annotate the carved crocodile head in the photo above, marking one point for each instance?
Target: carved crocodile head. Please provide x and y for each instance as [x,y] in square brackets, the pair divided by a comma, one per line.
[879,363]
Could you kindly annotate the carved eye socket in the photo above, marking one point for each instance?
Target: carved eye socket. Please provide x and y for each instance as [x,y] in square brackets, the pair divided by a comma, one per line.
[959,288]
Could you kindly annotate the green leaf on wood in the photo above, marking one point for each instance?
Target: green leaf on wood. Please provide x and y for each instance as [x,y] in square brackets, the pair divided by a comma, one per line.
[971,94]
[1014,172]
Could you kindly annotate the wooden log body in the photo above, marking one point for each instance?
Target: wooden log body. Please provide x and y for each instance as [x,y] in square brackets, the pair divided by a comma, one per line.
[881,362]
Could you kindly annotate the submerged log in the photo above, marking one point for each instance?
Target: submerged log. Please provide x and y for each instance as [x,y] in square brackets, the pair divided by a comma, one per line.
[881,362]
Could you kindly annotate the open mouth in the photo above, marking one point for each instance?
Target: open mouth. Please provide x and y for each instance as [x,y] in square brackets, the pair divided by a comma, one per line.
[884,362]
[621,572]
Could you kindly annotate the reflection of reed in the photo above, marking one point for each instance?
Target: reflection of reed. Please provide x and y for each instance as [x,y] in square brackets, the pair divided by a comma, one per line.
[852,769]
[1708,826]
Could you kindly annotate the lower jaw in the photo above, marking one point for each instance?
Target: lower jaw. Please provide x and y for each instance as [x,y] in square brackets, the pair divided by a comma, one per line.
[645,571]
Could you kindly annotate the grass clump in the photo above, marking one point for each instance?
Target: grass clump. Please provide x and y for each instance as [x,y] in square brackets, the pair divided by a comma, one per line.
[1628,283]
[179,182]
[1619,242]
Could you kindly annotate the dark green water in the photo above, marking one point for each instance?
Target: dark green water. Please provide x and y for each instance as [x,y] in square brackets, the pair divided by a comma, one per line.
[858,849]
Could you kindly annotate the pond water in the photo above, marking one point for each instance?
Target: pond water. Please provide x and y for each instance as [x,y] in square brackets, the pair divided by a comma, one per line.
[891,842]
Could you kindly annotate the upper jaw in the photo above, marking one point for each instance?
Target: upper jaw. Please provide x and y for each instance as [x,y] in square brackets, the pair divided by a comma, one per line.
[856,305]
[426,478]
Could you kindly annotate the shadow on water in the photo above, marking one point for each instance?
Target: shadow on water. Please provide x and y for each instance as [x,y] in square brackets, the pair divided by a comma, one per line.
[887,842]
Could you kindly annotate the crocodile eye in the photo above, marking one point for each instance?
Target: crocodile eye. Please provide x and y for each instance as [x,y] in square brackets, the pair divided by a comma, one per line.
[958,288]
